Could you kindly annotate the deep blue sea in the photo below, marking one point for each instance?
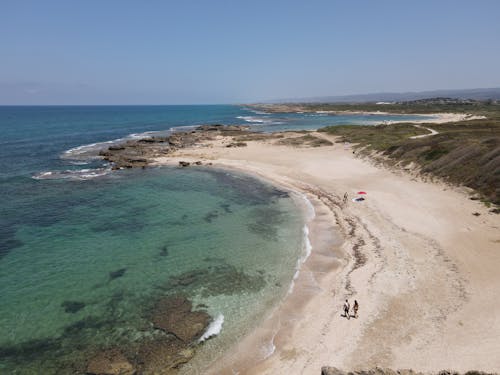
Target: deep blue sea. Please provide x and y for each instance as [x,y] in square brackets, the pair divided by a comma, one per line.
[84,252]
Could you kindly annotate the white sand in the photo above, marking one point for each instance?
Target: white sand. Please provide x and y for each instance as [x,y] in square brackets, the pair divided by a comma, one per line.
[427,274]
[436,118]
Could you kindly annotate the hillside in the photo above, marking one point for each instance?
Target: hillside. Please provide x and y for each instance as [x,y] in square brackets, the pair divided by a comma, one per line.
[465,153]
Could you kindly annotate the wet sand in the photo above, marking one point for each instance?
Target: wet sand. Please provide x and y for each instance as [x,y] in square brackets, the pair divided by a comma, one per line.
[423,268]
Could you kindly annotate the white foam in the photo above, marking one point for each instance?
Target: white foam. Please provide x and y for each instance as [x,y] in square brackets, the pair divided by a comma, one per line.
[80,174]
[213,328]
[183,128]
[91,151]
[311,212]
[306,242]
[269,349]
[260,120]
[87,152]
[252,119]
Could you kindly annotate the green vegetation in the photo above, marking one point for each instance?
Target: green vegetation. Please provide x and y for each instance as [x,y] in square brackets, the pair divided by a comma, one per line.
[477,108]
[307,140]
[466,152]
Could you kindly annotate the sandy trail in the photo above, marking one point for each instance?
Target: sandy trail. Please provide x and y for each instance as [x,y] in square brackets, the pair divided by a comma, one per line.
[423,268]
[432,132]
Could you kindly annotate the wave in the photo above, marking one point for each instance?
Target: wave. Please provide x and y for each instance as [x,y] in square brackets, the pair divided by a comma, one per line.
[260,120]
[269,349]
[86,152]
[77,174]
[184,128]
[91,151]
[306,242]
[213,328]
[259,112]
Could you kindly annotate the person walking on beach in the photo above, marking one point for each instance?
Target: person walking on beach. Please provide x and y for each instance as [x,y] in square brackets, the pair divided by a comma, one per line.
[346,309]
[345,198]
[355,308]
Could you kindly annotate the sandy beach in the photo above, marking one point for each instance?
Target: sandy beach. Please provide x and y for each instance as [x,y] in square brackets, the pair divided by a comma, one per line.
[423,268]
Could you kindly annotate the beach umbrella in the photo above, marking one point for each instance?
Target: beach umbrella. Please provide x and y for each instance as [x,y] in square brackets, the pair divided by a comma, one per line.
[361,192]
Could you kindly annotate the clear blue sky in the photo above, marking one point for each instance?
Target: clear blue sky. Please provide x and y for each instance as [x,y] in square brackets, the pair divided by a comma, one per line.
[211,51]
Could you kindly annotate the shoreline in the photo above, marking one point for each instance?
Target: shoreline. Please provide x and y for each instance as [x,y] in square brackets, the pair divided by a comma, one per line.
[438,117]
[385,268]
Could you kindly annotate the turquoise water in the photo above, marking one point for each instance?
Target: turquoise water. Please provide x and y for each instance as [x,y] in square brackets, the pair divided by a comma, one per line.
[84,255]
[242,238]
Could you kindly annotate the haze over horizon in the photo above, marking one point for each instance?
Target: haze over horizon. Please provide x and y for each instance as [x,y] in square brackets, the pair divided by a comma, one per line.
[121,52]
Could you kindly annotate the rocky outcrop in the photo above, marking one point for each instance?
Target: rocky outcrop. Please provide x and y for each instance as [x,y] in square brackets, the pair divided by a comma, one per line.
[110,362]
[138,153]
[174,315]
[163,356]
[386,371]
[162,353]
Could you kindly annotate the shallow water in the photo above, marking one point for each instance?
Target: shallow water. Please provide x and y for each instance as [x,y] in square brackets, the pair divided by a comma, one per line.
[85,253]
[86,276]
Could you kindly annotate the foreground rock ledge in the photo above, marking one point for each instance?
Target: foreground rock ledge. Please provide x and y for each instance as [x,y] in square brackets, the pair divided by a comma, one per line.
[386,371]
[163,355]
[138,153]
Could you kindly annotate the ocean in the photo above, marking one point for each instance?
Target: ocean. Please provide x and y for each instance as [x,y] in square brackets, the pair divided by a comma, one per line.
[85,251]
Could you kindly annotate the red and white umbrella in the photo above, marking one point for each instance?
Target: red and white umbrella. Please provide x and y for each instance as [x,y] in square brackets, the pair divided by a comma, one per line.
[361,192]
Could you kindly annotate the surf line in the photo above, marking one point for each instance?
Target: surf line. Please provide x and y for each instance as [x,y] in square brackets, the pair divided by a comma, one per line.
[306,242]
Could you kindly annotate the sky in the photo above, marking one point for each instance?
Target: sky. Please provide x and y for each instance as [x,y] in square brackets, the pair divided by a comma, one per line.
[214,51]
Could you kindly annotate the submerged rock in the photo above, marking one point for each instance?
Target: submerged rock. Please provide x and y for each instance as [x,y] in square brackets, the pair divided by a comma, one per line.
[164,251]
[174,315]
[211,216]
[116,274]
[163,356]
[72,306]
[110,362]
[207,281]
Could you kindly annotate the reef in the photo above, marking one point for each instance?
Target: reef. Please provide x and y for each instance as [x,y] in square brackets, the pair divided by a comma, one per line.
[179,328]
[139,153]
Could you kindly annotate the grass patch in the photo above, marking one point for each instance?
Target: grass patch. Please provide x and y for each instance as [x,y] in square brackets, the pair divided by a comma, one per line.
[307,140]
[466,152]
[434,154]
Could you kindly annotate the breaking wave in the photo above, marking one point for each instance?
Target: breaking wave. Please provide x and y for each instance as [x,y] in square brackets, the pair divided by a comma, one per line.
[76,174]
[260,120]
[213,328]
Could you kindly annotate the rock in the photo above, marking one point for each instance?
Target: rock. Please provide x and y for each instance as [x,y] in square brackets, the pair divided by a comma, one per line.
[184,163]
[116,148]
[116,274]
[110,362]
[164,251]
[163,356]
[174,315]
[331,371]
[383,371]
[237,144]
[211,216]
[72,306]
[138,153]
[210,128]
[198,162]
